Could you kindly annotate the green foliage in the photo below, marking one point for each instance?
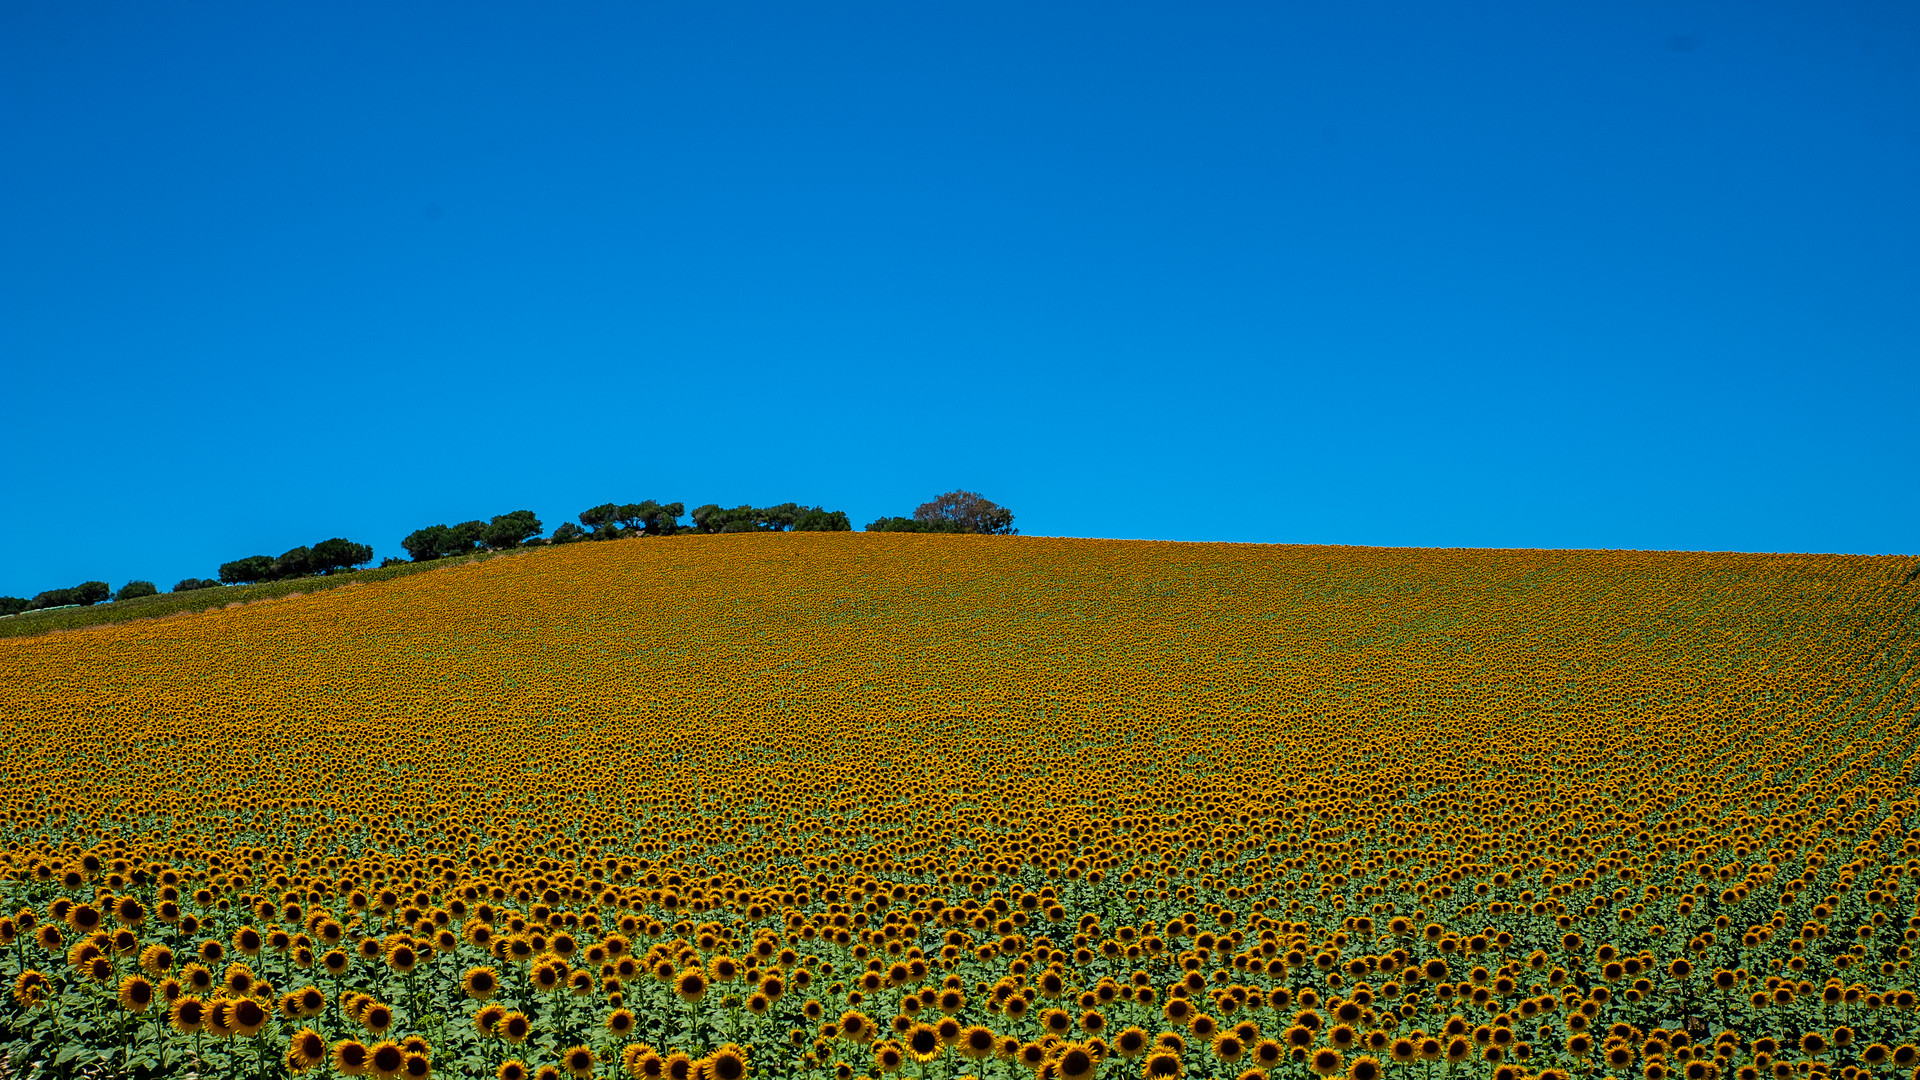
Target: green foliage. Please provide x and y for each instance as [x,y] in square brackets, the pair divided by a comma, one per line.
[325,557]
[972,512]
[194,584]
[511,529]
[248,570]
[429,543]
[953,512]
[444,541]
[295,563]
[340,553]
[206,595]
[785,517]
[611,520]
[14,605]
[914,525]
[84,594]
[133,590]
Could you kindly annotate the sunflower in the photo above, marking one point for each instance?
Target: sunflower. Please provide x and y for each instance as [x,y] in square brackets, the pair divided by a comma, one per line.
[189,1015]
[977,1043]
[402,957]
[1075,1063]
[856,1027]
[28,988]
[691,985]
[351,1057]
[643,1062]
[620,1022]
[514,1027]
[923,1042]
[888,1056]
[1364,1068]
[238,980]
[305,1050]
[416,1066]
[579,1062]
[728,1062]
[156,959]
[219,1022]
[386,1059]
[1325,1061]
[1161,1065]
[511,1069]
[84,918]
[248,1017]
[487,1020]
[136,994]
[1229,1048]
[377,1018]
[1131,1042]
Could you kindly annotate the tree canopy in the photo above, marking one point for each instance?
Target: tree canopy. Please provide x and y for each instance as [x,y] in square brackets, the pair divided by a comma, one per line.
[786,517]
[953,512]
[325,557]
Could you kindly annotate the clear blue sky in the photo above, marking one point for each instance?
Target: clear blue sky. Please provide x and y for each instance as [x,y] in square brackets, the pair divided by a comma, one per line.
[1563,275]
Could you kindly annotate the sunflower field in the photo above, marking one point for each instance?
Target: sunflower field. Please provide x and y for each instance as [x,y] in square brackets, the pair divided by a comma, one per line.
[825,806]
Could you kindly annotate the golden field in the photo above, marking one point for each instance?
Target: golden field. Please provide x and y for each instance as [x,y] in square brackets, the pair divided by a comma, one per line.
[807,805]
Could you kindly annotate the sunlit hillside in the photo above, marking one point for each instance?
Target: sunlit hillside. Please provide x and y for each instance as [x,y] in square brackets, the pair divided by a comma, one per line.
[807,803]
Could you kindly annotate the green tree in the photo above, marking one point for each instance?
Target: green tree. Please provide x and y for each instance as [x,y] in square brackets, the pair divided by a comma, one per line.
[424,544]
[245,571]
[134,589]
[602,520]
[972,512]
[913,525]
[14,605]
[713,519]
[88,593]
[339,553]
[820,519]
[194,584]
[297,562]
[511,529]
[650,517]
[464,537]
